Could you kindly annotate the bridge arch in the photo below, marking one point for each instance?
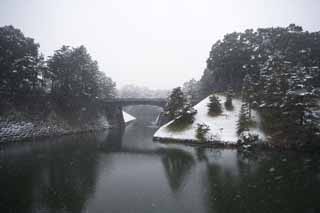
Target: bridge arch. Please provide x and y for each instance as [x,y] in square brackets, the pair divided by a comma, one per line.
[116,105]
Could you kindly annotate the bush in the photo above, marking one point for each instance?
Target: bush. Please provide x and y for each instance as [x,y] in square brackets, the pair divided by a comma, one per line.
[187,114]
[247,138]
[201,132]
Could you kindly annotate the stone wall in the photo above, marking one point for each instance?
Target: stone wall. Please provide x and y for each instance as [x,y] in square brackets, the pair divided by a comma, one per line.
[20,123]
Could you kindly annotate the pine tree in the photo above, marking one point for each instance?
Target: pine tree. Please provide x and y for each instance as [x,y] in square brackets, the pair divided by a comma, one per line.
[214,105]
[21,65]
[248,92]
[244,118]
[228,103]
[74,73]
[186,115]
[175,104]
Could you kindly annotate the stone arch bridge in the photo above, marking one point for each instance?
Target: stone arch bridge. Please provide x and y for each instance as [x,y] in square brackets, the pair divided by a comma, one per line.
[114,107]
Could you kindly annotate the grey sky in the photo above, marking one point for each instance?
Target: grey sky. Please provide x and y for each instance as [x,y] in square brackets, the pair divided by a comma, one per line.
[154,43]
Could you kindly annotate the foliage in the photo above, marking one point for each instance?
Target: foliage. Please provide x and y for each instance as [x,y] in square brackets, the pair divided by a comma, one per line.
[106,87]
[191,89]
[201,132]
[247,138]
[69,77]
[21,66]
[247,92]
[244,121]
[228,103]
[277,72]
[186,115]
[176,103]
[74,74]
[214,105]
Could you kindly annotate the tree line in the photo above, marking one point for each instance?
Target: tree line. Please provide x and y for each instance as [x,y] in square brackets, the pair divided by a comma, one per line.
[69,73]
[274,71]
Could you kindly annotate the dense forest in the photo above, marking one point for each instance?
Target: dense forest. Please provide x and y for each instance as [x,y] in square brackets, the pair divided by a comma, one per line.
[275,71]
[69,74]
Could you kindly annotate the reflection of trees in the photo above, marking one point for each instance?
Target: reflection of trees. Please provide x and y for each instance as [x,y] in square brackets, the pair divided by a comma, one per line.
[201,154]
[177,164]
[58,176]
[112,142]
[256,189]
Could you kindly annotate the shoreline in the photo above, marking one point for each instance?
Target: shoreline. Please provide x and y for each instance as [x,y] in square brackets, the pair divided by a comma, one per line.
[243,147]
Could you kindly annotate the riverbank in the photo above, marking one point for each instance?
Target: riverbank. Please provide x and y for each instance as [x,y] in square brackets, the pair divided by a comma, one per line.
[41,118]
[26,129]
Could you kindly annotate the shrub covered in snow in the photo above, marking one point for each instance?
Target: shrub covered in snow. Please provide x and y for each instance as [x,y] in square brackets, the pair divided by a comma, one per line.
[202,131]
[246,138]
[186,115]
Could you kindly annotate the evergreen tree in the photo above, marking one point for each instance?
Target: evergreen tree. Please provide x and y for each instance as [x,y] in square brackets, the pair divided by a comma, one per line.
[214,105]
[228,102]
[244,118]
[74,73]
[248,92]
[21,66]
[186,114]
[106,87]
[191,89]
[175,104]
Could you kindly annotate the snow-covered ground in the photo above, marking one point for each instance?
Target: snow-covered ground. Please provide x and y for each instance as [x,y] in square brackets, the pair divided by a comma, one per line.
[127,117]
[223,128]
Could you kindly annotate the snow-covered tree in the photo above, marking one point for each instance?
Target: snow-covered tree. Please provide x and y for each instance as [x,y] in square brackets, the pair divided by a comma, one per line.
[106,87]
[191,89]
[244,118]
[201,132]
[214,105]
[74,73]
[248,92]
[176,103]
[21,65]
[186,114]
[228,102]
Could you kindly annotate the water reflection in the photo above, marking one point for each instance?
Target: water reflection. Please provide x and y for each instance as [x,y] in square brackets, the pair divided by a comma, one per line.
[177,164]
[55,176]
[112,172]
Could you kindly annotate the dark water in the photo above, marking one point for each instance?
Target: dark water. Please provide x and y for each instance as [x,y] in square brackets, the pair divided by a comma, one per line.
[109,172]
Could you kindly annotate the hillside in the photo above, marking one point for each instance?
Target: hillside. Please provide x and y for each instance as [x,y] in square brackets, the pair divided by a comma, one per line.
[223,128]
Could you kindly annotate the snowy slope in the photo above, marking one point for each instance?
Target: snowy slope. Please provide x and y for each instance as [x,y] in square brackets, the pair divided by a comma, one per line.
[127,117]
[223,128]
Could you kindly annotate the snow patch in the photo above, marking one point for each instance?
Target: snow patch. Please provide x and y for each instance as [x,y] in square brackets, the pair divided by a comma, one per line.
[223,128]
[127,117]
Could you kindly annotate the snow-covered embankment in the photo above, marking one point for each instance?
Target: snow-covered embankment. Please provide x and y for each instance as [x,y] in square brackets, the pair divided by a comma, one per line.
[127,117]
[223,127]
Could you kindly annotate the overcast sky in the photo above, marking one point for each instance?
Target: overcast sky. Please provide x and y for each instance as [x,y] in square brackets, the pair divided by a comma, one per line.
[154,43]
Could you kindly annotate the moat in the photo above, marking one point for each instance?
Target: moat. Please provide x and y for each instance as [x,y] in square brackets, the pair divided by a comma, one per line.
[111,172]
